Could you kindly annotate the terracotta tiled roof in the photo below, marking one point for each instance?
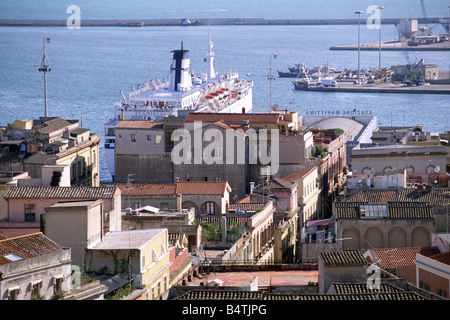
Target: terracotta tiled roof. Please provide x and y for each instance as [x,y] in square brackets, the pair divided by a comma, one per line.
[147,188]
[347,257]
[201,187]
[382,196]
[347,210]
[53,125]
[27,246]
[299,175]
[390,258]
[259,295]
[409,210]
[60,193]
[221,295]
[182,187]
[139,124]
[395,210]
[246,206]
[383,296]
[357,288]
[278,183]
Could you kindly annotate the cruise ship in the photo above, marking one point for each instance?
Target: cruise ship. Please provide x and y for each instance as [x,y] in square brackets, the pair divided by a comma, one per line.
[181,93]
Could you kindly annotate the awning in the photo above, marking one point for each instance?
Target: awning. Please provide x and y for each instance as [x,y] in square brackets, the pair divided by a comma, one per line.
[319,222]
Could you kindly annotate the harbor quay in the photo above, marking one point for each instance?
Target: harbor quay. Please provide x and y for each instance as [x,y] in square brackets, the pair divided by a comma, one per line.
[395,45]
[385,88]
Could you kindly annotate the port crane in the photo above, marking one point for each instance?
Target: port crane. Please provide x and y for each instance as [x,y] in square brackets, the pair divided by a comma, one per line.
[417,76]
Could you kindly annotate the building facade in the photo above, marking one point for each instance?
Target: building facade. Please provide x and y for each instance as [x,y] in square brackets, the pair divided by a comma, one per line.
[27,204]
[433,273]
[53,141]
[33,267]
[141,255]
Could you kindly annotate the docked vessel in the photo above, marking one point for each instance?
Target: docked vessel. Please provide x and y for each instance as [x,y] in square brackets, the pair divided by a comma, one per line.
[181,93]
[299,71]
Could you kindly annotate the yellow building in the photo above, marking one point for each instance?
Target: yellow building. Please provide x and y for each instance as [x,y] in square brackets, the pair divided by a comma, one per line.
[142,255]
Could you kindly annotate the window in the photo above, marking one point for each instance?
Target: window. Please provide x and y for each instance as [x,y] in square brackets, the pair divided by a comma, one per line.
[373,211]
[442,293]
[13,293]
[209,206]
[158,139]
[165,283]
[58,283]
[133,137]
[169,129]
[30,212]
[12,257]
[156,290]
[36,288]
[149,137]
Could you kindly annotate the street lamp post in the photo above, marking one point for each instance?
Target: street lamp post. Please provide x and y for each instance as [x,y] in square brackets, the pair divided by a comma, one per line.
[271,77]
[379,39]
[359,13]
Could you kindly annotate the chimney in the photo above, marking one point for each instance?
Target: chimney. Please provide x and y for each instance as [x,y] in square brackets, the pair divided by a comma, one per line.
[252,186]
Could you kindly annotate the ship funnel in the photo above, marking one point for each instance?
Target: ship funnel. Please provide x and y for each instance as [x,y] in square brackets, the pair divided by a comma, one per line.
[180,73]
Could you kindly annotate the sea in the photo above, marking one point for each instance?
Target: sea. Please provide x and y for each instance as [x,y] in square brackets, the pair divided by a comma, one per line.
[91,65]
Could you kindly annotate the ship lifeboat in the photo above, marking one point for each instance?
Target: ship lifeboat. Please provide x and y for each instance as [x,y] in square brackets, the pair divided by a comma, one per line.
[220,93]
[234,94]
[209,98]
[214,95]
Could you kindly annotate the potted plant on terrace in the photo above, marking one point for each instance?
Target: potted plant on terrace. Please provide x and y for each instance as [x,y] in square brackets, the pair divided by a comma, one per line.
[59,294]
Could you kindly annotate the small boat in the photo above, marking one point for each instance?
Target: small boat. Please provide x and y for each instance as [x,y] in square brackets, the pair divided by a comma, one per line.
[287,74]
[305,83]
[299,71]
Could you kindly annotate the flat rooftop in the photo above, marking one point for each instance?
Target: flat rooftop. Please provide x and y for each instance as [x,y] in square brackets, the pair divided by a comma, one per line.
[265,278]
[130,239]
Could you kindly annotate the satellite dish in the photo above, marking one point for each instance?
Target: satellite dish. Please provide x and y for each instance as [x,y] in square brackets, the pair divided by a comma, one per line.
[436,169]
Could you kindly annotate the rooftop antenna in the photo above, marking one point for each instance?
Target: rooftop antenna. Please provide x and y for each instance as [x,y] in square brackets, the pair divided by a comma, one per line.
[45,67]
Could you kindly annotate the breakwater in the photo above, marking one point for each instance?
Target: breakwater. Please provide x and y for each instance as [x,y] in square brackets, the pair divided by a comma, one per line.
[198,22]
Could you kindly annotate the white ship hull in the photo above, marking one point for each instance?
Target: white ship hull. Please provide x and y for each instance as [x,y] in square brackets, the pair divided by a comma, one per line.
[182,94]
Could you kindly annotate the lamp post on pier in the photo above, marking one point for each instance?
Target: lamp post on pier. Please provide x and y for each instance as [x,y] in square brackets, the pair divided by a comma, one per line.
[359,13]
[379,39]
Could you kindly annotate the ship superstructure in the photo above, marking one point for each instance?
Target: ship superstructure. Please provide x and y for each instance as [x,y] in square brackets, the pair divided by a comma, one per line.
[181,93]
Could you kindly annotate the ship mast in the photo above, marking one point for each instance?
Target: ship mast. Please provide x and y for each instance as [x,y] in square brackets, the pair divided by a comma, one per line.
[210,56]
[45,67]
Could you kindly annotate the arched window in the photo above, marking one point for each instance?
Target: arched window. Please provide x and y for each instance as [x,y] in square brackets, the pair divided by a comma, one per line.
[387,169]
[430,168]
[410,169]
